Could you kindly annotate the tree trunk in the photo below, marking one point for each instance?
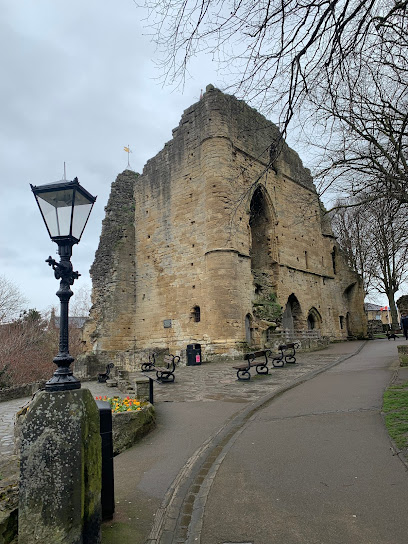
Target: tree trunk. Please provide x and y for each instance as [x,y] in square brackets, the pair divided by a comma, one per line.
[394,315]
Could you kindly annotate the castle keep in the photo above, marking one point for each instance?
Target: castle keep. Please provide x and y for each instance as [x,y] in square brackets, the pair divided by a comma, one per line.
[218,241]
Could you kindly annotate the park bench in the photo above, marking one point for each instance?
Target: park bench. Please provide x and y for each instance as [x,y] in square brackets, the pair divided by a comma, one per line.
[243,370]
[103,376]
[166,373]
[150,364]
[290,357]
[287,354]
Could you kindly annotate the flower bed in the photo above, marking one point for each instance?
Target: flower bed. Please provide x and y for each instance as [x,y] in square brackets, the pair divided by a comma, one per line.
[131,420]
[123,405]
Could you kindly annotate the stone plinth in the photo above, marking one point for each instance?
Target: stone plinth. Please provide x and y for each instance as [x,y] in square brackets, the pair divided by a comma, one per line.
[60,479]
[403,354]
[141,386]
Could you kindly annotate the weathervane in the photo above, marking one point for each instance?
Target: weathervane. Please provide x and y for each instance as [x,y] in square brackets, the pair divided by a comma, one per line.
[128,151]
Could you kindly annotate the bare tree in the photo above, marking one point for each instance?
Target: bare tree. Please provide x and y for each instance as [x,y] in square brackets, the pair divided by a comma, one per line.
[81,302]
[352,227]
[375,236]
[11,300]
[276,52]
[364,118]
[342,62]
[27,348]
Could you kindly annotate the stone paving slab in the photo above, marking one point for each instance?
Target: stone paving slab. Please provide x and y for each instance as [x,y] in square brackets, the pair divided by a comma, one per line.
[206,382]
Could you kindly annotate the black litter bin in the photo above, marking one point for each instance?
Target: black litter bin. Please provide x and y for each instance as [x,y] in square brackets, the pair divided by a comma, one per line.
[193,354]
[107,491]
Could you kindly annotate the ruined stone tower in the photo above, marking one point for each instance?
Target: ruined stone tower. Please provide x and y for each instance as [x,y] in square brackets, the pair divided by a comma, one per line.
[212,240]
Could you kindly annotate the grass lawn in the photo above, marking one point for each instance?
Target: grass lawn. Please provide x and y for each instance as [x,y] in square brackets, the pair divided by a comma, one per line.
[395,408]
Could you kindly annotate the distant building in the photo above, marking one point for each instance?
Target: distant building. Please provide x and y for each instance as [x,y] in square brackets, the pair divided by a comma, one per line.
[378,313]
[76,322]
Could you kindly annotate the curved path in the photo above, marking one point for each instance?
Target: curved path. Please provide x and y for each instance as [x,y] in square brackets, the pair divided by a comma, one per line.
[182,459]
[314,465]
[298,456]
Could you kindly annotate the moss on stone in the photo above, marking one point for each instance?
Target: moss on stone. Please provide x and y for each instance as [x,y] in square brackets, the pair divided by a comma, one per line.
[60,480]
[266,307]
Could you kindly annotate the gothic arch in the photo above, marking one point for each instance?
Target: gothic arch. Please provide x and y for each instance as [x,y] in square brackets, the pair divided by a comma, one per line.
[262,219]
[292,316]
[349,291]
[314,319]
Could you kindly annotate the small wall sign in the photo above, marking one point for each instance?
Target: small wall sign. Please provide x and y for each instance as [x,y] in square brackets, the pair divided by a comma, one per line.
[167,323]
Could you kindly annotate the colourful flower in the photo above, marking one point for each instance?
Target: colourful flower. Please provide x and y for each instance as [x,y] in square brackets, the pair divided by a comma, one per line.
[123,405]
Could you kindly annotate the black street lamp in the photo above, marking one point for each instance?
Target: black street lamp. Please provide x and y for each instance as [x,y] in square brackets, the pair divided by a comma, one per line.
[65,207]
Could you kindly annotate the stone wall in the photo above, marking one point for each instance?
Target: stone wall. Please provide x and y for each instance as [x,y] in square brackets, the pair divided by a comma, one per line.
[219,228]
[20,391]
[110,328]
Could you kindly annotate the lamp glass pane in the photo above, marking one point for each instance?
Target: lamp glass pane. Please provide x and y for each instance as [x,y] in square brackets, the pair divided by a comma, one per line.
[56,207]
[82,209]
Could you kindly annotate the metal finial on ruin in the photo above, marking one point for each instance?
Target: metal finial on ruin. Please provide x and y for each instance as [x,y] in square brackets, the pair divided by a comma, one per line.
[128,151]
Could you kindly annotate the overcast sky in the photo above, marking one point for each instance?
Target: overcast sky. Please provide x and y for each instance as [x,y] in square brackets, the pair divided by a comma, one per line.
[78,83]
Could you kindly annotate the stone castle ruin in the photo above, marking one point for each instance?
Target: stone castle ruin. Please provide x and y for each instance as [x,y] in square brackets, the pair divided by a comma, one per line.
[215,244]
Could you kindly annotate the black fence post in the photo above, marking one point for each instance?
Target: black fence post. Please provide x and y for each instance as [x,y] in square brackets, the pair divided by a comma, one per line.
[107,492]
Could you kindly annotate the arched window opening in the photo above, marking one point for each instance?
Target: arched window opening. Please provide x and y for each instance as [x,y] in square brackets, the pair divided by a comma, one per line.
[196,314]
[262,228]
[314,319]
[248,329]
[350,291]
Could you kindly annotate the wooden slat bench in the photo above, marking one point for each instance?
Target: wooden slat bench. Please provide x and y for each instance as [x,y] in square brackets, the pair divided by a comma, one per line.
[103,376]
[166,373]
[243,370]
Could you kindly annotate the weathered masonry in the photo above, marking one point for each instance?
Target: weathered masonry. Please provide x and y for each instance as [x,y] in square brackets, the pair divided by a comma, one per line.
[214,245]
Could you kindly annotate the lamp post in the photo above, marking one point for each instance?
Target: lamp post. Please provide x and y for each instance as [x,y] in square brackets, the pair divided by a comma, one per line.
[65,207]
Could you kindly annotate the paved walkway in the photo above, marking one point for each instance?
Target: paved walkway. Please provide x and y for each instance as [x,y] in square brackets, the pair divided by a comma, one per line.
[196,416]
[160,481]
[312,466]
[207,382]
